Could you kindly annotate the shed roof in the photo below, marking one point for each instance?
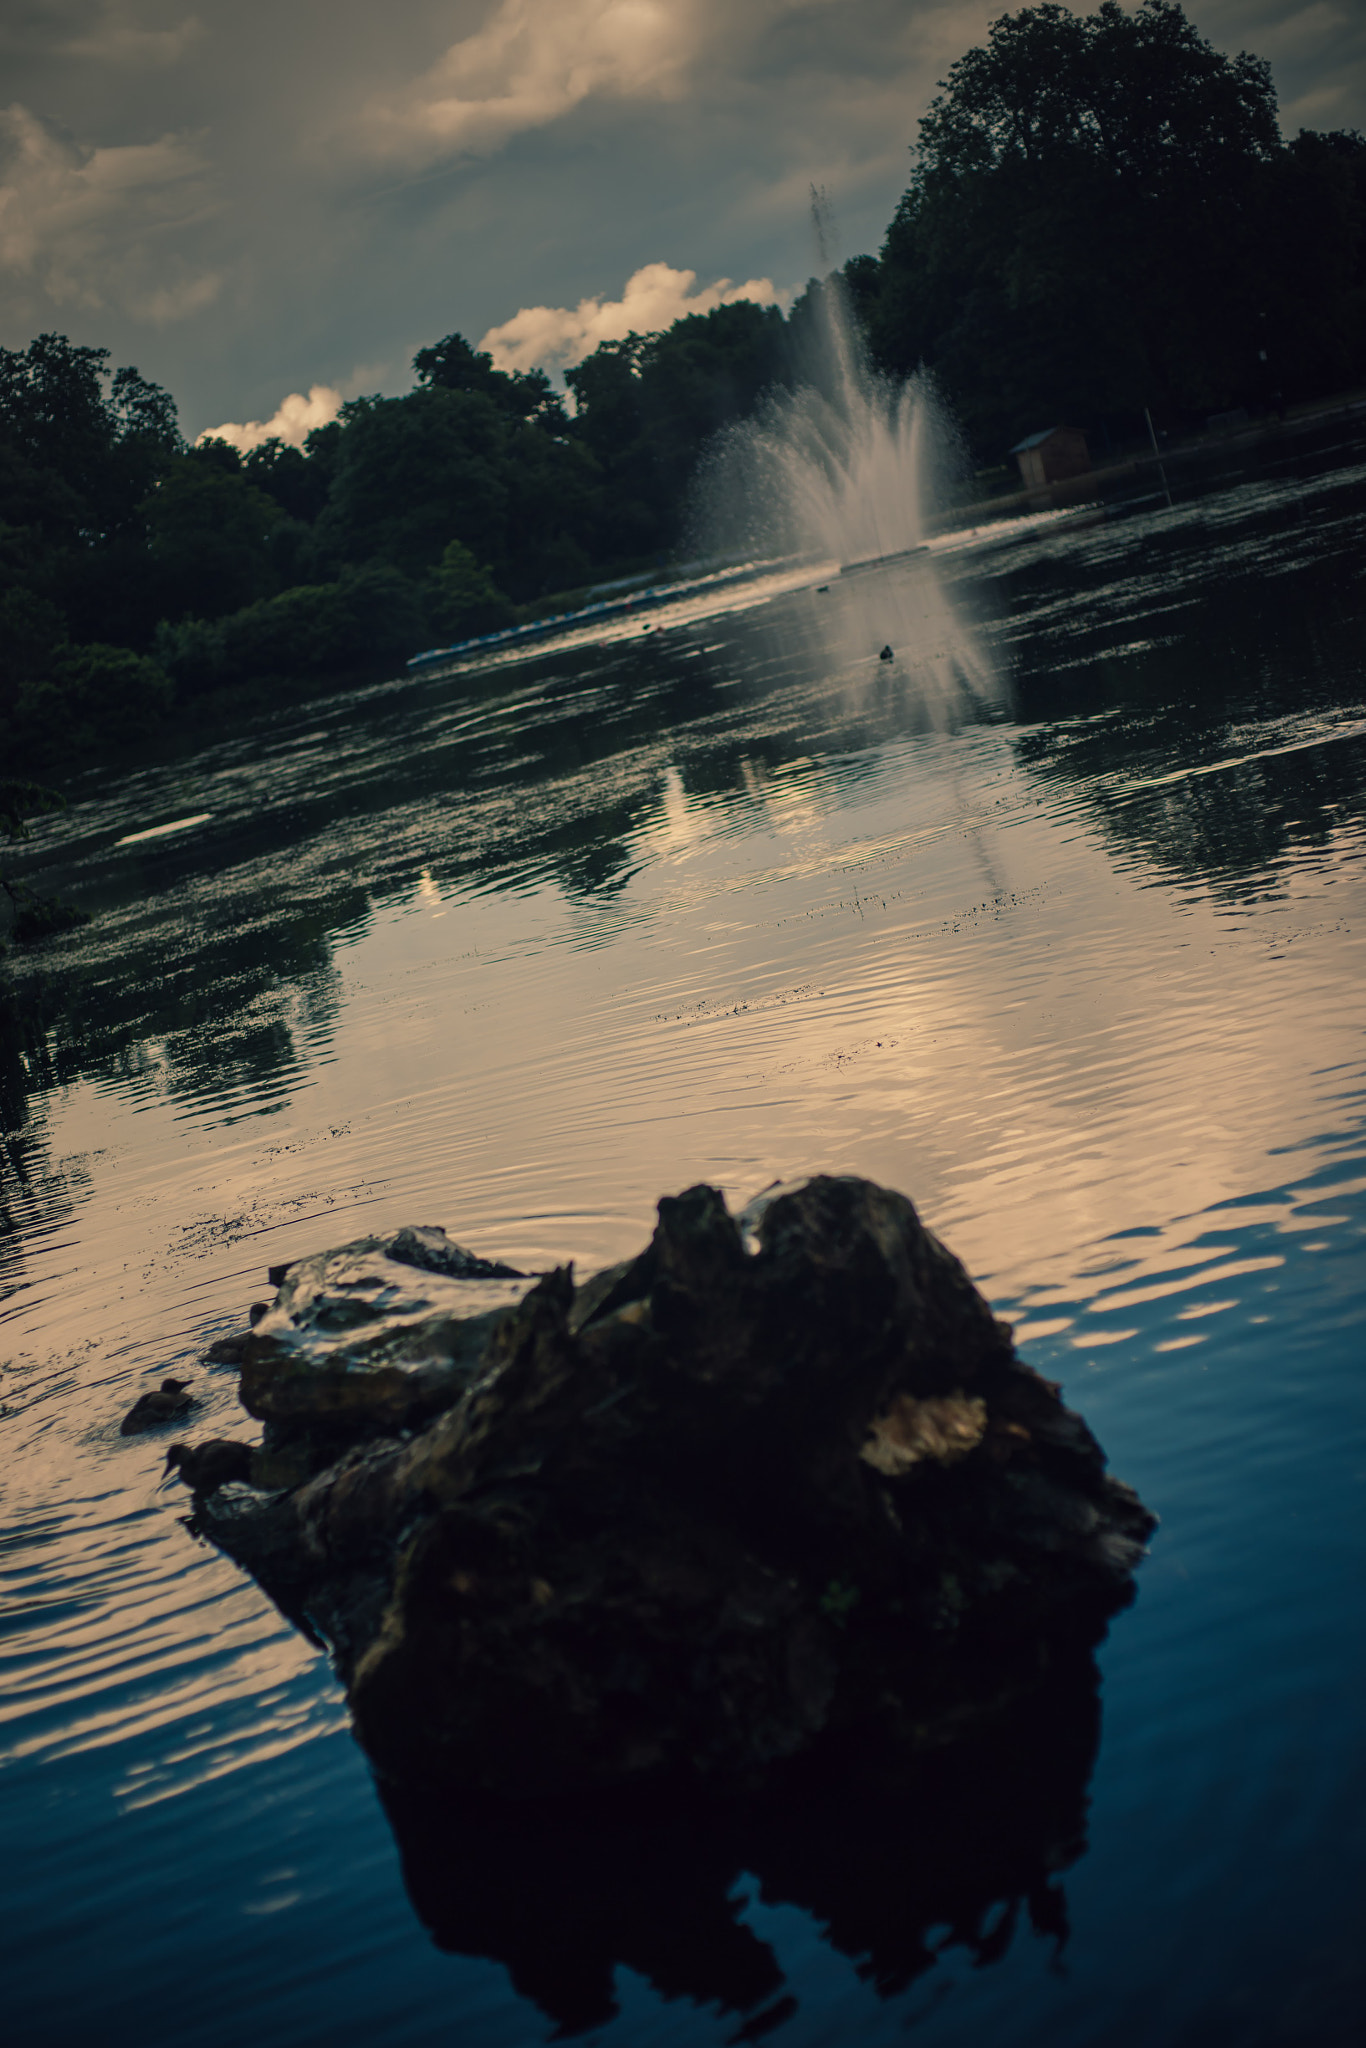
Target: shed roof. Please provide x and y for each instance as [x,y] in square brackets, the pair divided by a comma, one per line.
[1033,440]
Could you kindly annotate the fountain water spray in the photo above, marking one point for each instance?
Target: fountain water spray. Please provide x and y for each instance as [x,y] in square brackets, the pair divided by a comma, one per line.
[842,466]
[845,468]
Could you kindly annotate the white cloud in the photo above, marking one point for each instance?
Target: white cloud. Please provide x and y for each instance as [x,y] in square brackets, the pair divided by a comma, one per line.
[294,419]
[530,63]
[85,227]
[556,337]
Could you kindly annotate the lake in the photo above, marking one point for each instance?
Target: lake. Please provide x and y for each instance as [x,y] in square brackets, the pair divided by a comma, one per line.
[1056,921]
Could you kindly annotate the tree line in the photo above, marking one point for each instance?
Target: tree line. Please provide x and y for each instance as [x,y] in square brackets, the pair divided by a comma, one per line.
[141,576]
[1102,217]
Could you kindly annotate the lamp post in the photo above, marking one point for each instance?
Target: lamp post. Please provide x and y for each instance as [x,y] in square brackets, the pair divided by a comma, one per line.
[1157,452]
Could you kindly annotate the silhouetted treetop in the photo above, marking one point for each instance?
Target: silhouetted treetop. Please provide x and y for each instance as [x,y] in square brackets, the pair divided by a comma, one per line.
[452,365]
[56,417]
[1140,96]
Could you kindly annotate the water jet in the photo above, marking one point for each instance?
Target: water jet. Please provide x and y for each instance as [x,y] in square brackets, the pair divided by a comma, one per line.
[843,466]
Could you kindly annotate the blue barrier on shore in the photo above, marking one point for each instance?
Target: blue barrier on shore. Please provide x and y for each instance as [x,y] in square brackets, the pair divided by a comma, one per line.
[655,593]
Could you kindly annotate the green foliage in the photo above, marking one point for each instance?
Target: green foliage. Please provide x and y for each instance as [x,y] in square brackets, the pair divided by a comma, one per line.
[297,482]
[31,631]
[92,698]
[53,410]
[21,800]
[365,622]
[1140,97]
[411,473]
[839,1600]
[862,281]
[706,370]
[647,406]
[79,453]
[145,412]
[446,464]
[452,365]
[209,534]
[462,597]
[58,422]
[1313,324]
[45,917]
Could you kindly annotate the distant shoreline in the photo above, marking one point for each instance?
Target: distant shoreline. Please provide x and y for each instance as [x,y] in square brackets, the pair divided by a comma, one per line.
[1076,490]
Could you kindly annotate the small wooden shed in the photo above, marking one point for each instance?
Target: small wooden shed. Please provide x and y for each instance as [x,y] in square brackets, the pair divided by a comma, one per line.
[1051,456]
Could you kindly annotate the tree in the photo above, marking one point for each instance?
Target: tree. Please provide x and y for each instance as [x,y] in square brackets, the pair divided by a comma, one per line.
[452,365]
[1083,229]
[57,419]
[702,373]
[648,404]
[366,621]
[1312,320]
[209,534]
[77,460]
[450,463]
[462,597]
[414,473]
[293,478]
[54,414]
[145,412]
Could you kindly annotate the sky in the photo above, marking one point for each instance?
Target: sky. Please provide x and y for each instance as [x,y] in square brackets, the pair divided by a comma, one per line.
[269,208]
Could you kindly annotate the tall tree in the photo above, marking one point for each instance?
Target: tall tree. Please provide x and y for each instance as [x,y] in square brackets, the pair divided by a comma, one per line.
[1082,232]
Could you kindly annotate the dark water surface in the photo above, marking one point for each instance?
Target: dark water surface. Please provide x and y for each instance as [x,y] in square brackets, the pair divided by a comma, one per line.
[1055,922]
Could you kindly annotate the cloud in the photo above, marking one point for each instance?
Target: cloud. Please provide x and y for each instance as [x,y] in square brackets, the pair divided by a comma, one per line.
[555,337]
[530,63]
[84,226]
[164,303]
[1317,51]
[294,419]
[116,40]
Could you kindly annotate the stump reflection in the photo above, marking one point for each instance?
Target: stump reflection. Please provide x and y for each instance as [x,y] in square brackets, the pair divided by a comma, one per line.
[894,1861]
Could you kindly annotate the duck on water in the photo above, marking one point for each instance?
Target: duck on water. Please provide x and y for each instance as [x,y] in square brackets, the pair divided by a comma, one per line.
[207,1466]
[162,1404]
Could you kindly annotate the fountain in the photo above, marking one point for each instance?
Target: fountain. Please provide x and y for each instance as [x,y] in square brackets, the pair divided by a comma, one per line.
[845,465]
[846,469]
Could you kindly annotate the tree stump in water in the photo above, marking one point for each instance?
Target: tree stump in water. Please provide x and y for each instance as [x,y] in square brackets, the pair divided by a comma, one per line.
[778,1485]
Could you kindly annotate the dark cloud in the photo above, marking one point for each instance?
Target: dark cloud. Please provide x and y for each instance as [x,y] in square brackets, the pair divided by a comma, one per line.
[245,199]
